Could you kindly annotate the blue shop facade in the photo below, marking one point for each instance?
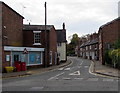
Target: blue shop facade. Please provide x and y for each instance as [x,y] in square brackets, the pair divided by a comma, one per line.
[32,56]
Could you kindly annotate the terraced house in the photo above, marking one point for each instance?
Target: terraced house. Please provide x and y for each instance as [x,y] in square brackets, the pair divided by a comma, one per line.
[89,48]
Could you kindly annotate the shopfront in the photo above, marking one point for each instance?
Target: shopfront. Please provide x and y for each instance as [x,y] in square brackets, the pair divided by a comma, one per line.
[32,56]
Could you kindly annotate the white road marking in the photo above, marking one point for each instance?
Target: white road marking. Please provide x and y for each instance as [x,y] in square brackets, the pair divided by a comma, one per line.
[36,88]
[85,66]
[66,78]
[75,73]
[78,78]
[67,69]
[92,79]
[60,68]
[106,79]
[56,76]
[81,63]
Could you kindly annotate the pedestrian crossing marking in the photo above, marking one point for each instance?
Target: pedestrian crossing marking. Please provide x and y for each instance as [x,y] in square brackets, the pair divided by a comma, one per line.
[85,66]
[78,78]
[60,68]
[75,73]
[67,69]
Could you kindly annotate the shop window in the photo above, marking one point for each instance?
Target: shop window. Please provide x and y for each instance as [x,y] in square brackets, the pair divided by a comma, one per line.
[35,58]
[37,37]
[16,57]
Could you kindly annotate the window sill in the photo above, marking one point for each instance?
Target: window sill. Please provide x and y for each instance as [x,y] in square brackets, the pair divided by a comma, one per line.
[37,44]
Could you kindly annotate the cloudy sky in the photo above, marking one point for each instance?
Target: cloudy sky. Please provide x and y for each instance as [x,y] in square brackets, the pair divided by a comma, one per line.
[80,16]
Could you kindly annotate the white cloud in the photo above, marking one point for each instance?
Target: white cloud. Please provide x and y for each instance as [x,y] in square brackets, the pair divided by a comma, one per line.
[80,16]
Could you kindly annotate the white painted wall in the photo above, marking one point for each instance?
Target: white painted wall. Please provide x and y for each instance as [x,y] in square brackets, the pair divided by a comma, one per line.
[62,50]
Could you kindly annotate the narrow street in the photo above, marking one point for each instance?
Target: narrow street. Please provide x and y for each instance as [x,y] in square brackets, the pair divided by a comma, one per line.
[75,77]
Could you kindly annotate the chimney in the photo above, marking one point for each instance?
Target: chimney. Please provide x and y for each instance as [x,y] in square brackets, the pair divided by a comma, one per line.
[63,26]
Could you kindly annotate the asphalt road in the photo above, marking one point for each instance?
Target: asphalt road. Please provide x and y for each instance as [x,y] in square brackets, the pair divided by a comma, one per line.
[75,77]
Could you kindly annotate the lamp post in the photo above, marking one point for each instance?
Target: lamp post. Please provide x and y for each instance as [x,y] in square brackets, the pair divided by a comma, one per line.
[46,50]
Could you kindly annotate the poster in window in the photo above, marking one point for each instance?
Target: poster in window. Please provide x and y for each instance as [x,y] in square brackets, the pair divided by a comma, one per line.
[7,57]
[32,58]
[38,58]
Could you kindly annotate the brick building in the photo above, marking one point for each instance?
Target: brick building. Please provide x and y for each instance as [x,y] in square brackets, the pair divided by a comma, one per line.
[89,47]
[26,43]
[108,34]
[34,36]
[11,28]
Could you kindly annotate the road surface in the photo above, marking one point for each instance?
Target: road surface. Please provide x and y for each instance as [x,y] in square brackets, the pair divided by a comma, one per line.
[75,77]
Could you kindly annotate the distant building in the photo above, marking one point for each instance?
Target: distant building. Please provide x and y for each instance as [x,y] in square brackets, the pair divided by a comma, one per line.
[89,47]
[61,44]
[108,34]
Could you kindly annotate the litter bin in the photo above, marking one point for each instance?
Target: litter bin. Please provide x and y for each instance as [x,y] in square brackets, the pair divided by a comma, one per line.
[18,66]
[23,66]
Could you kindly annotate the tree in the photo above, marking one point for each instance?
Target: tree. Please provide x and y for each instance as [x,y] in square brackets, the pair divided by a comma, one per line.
[74,40]
[73,43]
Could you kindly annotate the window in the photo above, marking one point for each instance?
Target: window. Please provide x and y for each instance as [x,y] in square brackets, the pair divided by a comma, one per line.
[59,44]
[16,57]
[37,37]
[90,46]
[50,57]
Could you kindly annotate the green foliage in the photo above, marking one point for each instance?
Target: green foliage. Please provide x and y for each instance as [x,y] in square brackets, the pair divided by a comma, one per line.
[73,43]
[117,44]
[112,57]
[74,40]
[107,57]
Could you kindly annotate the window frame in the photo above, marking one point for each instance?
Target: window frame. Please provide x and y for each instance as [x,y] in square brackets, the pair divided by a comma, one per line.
[36,32]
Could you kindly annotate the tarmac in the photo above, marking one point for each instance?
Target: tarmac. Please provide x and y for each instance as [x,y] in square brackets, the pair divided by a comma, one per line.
[98,68]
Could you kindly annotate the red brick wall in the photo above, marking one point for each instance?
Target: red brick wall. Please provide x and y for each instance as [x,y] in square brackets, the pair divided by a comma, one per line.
[28,39]
[12,27]
[53,43]
[107,34]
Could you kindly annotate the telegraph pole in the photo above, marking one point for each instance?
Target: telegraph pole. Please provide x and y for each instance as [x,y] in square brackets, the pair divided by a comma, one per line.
[46,50]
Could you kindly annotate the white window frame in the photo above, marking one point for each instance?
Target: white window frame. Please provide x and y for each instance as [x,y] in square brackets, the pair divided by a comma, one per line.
[90,46]
[34,37]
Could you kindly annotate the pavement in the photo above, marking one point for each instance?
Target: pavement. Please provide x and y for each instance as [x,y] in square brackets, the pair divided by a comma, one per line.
[105,70]
[98,68]
[34,71]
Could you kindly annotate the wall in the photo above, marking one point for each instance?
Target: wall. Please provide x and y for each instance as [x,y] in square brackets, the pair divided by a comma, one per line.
[62,50]
[53,43]
[28,39]
[12,27]
[1,50]
[107,34]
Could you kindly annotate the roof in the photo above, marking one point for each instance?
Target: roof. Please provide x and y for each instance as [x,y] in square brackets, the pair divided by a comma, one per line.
[110,22]
[37,27]
[94,41]
[61,36]
[12,9]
